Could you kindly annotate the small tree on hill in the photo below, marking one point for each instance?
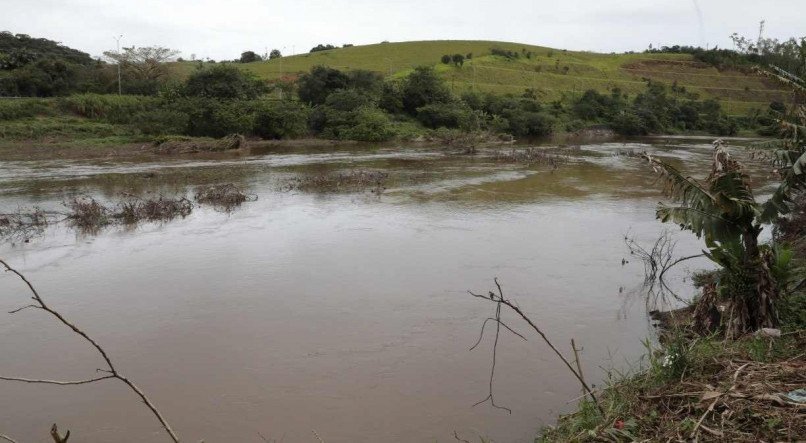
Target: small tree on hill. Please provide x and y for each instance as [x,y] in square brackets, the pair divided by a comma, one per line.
[446,59]
[249,57]
[275,53]
[458,59]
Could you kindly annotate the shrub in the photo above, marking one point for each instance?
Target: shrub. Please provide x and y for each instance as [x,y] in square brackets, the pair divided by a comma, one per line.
[160,121]
[281,120]
[348,100]
[215,118]
[314,87]
[446,59]
[628,123]
[529,124]
[423,87]
[225,82]
[448,115]
[391,98]
[370,125]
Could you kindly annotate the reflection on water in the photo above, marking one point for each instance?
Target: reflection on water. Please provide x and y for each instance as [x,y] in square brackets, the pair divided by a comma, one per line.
[346,314]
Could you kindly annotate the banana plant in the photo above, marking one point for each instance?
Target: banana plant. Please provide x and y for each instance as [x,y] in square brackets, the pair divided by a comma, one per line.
[724,212]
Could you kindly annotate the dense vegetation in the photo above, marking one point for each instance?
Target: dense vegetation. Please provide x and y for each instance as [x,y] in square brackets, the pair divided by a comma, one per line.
[357,104]
[729,365]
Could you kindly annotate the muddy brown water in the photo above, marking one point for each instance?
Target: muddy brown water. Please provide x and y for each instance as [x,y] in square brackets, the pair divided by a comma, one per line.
[339,315]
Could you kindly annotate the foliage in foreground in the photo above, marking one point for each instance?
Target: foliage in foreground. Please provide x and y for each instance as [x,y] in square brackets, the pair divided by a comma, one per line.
[700,389]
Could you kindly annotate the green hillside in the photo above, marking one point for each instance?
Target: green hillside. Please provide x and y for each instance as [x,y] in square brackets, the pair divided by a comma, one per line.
[550,72]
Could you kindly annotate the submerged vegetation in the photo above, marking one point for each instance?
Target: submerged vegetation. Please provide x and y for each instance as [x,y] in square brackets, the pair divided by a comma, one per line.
[351,181]
[90,215]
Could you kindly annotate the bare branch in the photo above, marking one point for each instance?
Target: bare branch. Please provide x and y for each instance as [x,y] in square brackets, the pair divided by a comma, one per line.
[7,438]
[500,300]
[112,371]
[495,350]
[56,382]
[20,309]
[456,436]
[481,335]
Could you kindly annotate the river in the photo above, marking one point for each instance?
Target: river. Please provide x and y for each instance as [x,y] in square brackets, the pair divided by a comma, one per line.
[340,316]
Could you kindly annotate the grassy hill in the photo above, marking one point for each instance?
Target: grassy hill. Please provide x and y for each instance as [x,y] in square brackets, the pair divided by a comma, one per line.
[552,73]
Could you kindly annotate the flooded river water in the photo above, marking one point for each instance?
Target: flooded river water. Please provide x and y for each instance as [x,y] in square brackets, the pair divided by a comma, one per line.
[339,315]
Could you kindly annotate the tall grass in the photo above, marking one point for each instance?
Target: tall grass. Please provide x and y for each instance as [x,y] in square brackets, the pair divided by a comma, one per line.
[13,109]
[112,108]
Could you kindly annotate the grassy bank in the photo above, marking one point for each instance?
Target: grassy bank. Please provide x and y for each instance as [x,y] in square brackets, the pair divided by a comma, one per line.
[706,388]
[553,73]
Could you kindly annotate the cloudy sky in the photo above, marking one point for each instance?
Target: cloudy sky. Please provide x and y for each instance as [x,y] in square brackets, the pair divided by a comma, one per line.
[223,29]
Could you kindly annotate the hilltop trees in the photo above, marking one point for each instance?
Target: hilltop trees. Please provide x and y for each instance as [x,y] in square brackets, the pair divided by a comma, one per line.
[321,47]
[456,59]
[275,53]
[249,57]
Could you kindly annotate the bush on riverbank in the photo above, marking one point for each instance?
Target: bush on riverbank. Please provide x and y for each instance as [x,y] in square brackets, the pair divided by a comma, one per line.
[359,105]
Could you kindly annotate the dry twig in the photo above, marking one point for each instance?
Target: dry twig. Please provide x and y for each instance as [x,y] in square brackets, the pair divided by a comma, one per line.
[500,301]
[112,371]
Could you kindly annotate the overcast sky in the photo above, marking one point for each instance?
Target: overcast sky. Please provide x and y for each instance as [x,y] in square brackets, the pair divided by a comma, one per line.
[222,29]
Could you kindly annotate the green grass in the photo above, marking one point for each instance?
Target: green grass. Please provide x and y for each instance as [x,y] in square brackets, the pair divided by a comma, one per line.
[737,91]
[62,128]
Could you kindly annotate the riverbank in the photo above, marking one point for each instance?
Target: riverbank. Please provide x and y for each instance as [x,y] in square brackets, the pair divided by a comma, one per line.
[695,388]
[89,146]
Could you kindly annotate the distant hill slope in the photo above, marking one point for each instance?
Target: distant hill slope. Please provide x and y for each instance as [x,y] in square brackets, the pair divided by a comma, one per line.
[550,72]
[19,49]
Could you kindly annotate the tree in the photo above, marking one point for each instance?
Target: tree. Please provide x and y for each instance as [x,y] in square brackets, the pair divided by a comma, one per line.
[423,87]
[224,81]
[145,63]
[446,59]
[314,87]
[321,47]
[458,59]
[249,57]
[275,53]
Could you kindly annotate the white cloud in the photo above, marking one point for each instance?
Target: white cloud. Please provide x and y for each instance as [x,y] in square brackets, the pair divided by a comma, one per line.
[222,29]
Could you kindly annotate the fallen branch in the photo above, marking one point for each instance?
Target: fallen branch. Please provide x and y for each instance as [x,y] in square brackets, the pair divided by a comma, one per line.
[111,371]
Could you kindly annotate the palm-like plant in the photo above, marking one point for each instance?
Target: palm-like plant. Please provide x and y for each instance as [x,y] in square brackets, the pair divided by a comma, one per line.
[724,212]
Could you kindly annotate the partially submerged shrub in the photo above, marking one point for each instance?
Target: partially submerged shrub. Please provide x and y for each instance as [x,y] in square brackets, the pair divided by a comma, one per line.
[531,156]
[86,212]
[160,209]
[353,181]
[226,196]
[22,225]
